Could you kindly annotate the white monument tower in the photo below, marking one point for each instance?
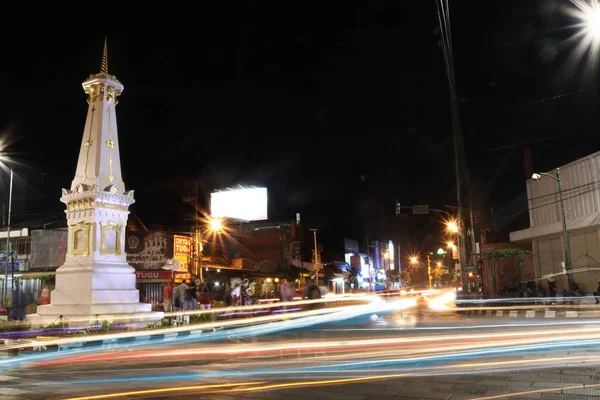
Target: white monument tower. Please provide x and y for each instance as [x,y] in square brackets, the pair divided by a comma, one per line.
[95,281]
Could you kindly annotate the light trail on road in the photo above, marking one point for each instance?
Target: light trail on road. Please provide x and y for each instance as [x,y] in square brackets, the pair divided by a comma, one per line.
[318,348]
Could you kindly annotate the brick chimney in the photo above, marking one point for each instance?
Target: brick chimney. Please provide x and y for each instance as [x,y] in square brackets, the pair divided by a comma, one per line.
[527,164]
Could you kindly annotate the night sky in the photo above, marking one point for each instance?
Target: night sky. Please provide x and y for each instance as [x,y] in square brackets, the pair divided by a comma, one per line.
[338,109]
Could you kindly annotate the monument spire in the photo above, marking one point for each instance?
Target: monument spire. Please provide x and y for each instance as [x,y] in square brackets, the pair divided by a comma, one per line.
[99,163]
[104,63]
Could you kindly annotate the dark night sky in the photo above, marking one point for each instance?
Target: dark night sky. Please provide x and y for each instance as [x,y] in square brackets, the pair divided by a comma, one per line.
[337,109]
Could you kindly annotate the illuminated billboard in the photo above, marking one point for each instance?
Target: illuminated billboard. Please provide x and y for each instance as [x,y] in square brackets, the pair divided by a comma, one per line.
[244,204]
[182,246]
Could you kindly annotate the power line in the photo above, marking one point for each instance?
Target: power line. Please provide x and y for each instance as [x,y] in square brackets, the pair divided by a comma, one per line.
[508,146]
[550,203]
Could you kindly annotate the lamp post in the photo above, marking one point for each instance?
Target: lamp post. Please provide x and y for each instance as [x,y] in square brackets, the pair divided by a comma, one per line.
[216,226]
[314,231]
[538,176]
[452,226]
[5,286]
[414,261]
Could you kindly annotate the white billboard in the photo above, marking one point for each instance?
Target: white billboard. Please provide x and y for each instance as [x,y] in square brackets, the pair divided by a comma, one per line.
[244,204]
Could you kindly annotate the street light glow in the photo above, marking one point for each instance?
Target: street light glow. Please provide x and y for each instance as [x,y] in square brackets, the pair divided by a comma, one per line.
[587,35]
[216,225]
[591,18]
[452,226]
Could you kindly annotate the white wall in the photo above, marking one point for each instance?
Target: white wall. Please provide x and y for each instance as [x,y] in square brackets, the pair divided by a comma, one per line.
[580,185]
[585,255]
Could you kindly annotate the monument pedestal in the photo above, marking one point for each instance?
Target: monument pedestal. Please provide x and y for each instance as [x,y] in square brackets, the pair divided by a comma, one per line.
[88,293]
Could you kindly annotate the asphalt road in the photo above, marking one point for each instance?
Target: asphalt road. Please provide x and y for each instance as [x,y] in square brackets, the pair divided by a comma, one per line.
[412,353]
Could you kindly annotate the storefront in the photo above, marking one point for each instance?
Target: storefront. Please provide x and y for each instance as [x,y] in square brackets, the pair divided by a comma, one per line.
[151,285]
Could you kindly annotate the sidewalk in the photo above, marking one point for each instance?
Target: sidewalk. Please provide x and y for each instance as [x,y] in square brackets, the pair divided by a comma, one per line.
[536,313]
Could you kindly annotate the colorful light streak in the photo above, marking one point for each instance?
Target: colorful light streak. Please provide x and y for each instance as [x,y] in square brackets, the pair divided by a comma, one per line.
[260,325]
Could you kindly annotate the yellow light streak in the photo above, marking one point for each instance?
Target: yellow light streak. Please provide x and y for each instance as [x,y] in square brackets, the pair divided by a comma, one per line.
[165,390]
[516,394]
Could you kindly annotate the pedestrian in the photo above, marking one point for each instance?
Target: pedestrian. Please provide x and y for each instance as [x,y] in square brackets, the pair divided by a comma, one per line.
[45,297]
[205,298]
[180,297]
[597,294]
[168,297]
[192,300]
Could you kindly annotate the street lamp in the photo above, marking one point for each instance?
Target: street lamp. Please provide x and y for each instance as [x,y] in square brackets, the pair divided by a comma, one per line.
[556,177]
[452,226]
[414,261]
[216,225]
[10,191]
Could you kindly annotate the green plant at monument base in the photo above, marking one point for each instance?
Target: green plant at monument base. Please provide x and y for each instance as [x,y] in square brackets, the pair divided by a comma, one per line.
[104,328]
[163,323]
[202,318]
[9,326]
[55,326]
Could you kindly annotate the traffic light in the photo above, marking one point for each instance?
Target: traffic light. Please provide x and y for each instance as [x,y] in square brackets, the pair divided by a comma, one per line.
[398,209]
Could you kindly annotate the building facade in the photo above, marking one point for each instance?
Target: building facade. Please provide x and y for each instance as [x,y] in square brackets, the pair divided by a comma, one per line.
[581,199]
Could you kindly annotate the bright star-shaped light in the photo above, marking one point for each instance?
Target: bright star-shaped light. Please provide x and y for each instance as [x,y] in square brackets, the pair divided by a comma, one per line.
[216,225]
[587,26]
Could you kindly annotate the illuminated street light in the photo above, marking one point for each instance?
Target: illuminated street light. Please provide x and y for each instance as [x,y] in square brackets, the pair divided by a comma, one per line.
[590,17]
[452,226]
[216,225]
[414,260]
[587,35]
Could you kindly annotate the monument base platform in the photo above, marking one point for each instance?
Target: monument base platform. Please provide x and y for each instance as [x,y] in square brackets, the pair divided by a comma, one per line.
[86,315]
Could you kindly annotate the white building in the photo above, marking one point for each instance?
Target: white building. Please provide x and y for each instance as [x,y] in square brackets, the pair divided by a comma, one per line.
[581,197]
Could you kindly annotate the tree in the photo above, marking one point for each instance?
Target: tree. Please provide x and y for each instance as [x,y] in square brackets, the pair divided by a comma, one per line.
[436,273]
[405,276]
[508,257]
[452,277]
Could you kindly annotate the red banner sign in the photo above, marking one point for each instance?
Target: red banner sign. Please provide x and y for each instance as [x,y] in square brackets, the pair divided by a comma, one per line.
[162,275]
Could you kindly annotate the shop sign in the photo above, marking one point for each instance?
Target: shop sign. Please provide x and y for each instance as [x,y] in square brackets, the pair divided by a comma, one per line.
[162,275]
[182,246]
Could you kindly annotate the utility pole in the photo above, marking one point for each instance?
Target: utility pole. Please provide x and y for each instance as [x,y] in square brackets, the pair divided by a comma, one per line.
[399,256]
[429,269]
[196,236]
[369,266]
[316,256]
[565,233]
[568,265]
[8,238]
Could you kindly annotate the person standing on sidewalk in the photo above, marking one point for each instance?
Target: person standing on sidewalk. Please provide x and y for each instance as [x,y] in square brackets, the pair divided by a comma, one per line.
[168,297]
[192,300]
[180,296]
[597,294]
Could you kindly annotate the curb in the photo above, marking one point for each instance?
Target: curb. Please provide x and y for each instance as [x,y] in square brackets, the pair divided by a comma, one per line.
[532,313]
[12,347]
